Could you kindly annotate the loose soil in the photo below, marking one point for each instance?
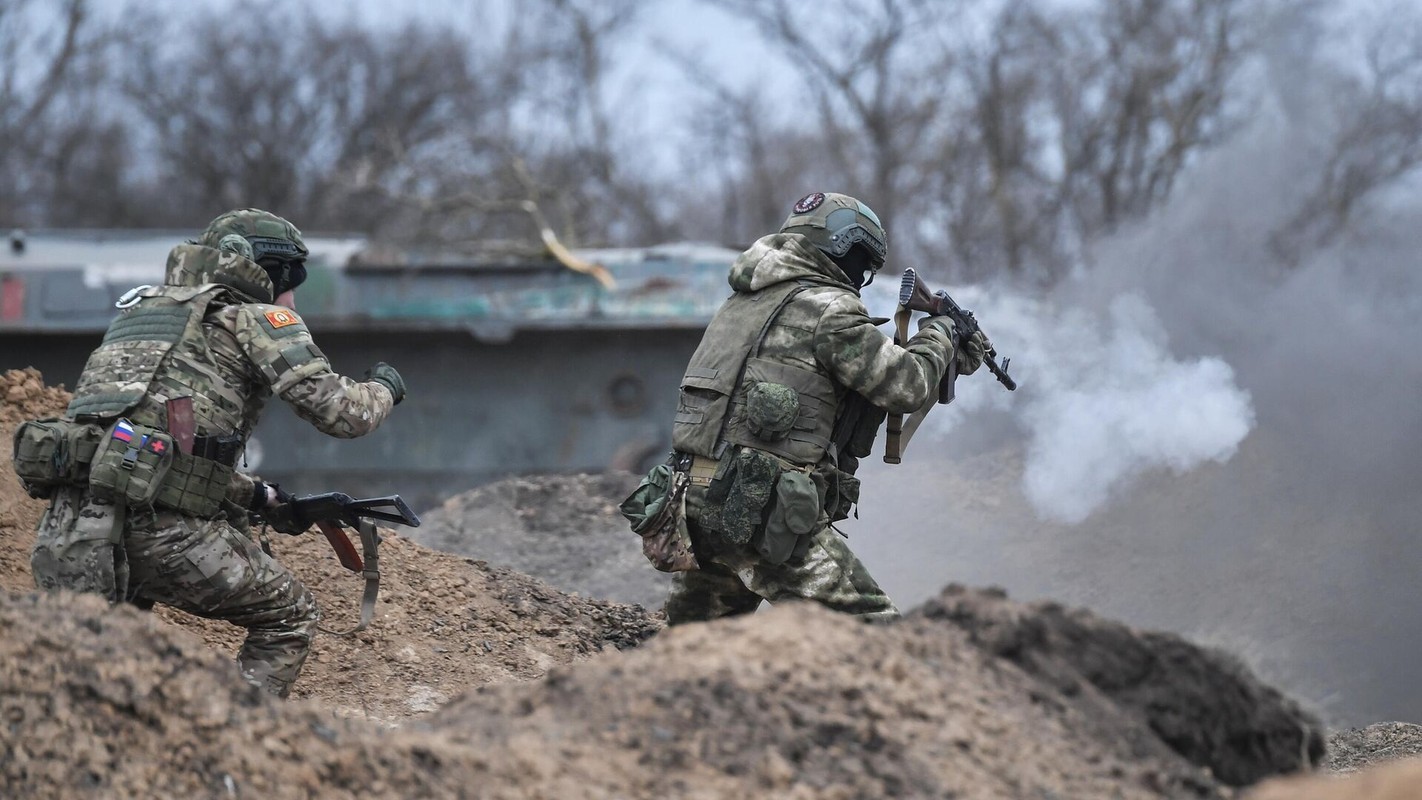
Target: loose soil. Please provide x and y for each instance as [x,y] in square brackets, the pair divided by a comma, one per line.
[443,623]
[479,676]
[564,529]
[1359,748]
[1400,780]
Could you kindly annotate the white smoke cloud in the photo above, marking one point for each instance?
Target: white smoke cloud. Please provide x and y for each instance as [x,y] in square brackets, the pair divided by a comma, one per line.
[1114,404]
[1102,399]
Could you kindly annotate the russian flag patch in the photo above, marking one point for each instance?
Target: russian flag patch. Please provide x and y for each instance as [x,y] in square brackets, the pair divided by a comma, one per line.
[123,431]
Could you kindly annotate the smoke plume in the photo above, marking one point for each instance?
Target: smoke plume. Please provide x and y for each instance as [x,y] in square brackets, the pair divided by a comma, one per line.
[1218,429]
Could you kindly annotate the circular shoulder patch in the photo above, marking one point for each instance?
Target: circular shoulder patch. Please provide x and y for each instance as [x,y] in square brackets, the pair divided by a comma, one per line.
[809,203]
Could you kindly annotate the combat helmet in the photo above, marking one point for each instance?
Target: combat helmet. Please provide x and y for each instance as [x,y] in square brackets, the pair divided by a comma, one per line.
[835,223]
[275,244]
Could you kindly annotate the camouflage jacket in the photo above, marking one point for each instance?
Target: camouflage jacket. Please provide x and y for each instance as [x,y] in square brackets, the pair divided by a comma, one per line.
[203,335]
[796,321]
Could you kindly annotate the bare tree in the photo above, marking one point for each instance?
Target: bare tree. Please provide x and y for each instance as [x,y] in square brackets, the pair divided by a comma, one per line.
[873,75]
[1084,118]
[305,123]
[1375,141]
[49,76]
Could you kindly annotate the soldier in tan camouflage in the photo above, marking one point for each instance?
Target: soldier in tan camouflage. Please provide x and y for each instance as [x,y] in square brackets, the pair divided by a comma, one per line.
[782,397]
[205,351]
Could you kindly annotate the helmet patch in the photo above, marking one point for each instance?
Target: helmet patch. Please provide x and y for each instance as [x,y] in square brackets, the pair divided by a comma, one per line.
[809,203]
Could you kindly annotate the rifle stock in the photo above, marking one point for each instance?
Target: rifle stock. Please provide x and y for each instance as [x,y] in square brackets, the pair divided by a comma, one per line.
[915,295]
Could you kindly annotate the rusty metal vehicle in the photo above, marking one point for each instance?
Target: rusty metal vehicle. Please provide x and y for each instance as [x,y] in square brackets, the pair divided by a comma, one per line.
[516,366]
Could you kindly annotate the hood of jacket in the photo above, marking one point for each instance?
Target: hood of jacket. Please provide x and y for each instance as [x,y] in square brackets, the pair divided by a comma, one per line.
[196,265]
[782,257]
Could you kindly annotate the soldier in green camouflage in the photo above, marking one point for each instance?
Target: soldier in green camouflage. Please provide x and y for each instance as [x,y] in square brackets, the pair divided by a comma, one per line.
[205,351]
[782,397]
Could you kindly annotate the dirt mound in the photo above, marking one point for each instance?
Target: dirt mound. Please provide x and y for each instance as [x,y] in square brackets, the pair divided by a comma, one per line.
[1398,781]
[800,702]
[1203,703]
[1359,748]
[973,696]
[564,529]
[796,702]
[443,623]
[111,702]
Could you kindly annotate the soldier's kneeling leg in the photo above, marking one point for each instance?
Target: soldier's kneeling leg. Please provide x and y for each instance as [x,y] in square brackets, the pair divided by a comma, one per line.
[209,569]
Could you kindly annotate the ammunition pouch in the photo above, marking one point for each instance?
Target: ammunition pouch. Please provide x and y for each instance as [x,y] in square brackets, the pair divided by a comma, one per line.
[656,510]
[738,495]
[759,500]
[139,466]
[50,453]
[130,464]
[195,486]
[794,513]
[136,465]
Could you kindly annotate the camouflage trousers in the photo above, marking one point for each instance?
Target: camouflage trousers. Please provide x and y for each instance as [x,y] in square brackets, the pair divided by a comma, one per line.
[206,567]
[734,580]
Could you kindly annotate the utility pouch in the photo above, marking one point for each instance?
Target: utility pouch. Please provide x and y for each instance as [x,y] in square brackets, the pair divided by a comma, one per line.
[771,410]
[794,513]
[737,497]
[842,496]
[49,453]
[131,463]
[656,510]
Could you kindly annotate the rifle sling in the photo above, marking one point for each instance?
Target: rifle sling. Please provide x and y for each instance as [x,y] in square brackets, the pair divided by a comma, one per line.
[894,440]
[370,545]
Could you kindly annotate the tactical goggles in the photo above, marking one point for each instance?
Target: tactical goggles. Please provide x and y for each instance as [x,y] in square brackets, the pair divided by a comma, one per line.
[285,275]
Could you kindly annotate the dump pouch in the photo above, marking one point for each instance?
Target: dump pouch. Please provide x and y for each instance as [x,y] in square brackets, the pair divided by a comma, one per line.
[656,509]
[795,512]
[53,452]
[131,463]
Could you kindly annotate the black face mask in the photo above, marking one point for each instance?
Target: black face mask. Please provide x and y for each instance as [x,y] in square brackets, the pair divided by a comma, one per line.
[285,275]
[859,266]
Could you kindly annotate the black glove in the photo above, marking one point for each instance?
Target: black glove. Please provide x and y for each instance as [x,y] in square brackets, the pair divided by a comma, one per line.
[284,519]
[388,375]
[258,503]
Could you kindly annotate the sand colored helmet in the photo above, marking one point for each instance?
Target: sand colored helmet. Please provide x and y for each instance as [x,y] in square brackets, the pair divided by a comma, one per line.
[276,244]
[835,223]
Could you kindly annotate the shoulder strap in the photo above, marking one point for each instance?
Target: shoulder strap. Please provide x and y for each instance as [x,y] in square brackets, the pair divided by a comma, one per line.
[752,353]
[894,430]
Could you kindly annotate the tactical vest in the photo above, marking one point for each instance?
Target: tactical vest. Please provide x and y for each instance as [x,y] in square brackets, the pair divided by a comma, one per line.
[156,351]
[732,396]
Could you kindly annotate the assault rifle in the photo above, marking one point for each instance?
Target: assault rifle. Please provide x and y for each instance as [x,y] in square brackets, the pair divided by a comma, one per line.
[332,510]
[914,295]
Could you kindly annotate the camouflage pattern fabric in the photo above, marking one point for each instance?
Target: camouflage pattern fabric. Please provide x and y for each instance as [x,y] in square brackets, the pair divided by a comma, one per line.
[230,363]
[77,547]
[734,579]
[823,329]
[826,328]
[209,568]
